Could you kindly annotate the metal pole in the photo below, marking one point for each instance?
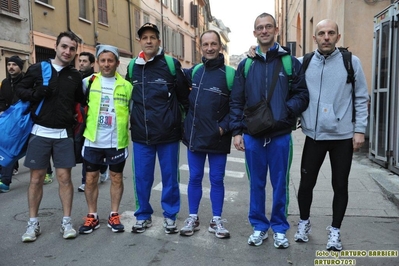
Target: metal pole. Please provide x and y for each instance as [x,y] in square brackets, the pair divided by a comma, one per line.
[162,31]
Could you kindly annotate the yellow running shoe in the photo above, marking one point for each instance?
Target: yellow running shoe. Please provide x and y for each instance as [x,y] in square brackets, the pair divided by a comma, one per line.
[48,179]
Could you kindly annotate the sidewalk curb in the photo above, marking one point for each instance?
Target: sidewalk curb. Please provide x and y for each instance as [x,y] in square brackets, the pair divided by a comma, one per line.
[389,186]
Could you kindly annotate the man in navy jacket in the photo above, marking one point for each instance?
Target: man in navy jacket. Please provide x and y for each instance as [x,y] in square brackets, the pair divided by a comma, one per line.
[271,151]
[156,127]
[206,133]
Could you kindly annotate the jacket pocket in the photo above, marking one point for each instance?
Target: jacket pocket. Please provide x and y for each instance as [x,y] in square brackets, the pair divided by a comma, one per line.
[327,119]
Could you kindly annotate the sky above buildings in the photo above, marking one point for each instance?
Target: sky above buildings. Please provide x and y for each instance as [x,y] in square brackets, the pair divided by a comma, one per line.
[240,16]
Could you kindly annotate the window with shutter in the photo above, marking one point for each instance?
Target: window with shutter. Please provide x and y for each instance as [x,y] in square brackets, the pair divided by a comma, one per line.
[102,11]
[11,6]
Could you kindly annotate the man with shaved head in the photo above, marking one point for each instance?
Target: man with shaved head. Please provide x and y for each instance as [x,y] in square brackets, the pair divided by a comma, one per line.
[329,127]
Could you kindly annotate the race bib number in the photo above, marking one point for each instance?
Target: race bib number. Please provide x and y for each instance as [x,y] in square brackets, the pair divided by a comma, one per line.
[106,119]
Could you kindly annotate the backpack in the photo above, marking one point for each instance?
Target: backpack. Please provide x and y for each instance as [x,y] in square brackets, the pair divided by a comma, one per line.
[230,73]
[80,124]
[347,60]
[287,65]
[16,125]
[168,59]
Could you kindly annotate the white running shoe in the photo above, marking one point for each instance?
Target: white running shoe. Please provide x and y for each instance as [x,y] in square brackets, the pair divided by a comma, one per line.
[67,230]
[280,241]
[32,232]
[256,239]
[334,239]
[303,231]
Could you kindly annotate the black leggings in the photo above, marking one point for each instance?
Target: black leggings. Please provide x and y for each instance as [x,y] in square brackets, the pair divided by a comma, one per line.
[314,152]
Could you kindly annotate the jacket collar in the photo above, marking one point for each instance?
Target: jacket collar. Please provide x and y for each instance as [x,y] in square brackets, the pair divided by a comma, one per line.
[214,63]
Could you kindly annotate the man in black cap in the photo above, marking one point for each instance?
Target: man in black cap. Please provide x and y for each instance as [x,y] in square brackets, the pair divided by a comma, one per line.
[7,98]
[159,88]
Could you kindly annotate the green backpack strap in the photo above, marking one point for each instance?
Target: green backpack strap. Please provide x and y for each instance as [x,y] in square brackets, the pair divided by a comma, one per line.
[287,64]
[171,64]
[248,64]
[130,67]
[230,73]
[195,69]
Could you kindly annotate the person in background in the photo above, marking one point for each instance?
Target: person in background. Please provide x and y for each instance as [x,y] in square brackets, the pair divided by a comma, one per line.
[48,179]
[269,152]
[106,135]
[52,138]
[7,98]
[329,127]
[209,135]
[156,128]
[86,64]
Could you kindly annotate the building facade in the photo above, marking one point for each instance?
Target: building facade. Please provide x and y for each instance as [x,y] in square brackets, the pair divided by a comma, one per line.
[34,25]
[15,25]
[298,18]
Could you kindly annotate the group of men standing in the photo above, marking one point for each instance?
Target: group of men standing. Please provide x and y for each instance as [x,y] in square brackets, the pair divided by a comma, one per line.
[213,103]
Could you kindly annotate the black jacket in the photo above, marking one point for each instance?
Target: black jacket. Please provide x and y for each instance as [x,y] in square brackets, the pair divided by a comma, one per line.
[58,108]
[7,92]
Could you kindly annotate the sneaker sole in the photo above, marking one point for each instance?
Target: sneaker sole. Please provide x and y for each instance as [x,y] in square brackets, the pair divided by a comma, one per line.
[281,246]
[116,230]
[187,233]
[69,236]
[257,244]
[226,235]
[171,230]
[89,231]
[4,191]
[29,239]
[301,240]
[213,231]
[141,229]
[334,248]
[138,230]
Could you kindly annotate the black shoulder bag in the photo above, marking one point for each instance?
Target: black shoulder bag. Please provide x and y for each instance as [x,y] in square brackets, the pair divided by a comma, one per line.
[259,117]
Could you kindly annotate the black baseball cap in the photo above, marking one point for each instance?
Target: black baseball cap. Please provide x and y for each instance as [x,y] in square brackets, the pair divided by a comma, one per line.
[148,26]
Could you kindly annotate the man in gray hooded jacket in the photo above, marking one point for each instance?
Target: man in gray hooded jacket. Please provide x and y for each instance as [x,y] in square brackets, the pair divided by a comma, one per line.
[329,127]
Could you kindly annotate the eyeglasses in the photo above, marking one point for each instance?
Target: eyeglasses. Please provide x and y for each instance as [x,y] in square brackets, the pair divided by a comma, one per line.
[267,27]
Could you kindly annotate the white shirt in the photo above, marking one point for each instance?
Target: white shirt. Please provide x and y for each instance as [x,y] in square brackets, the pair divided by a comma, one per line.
[106,136]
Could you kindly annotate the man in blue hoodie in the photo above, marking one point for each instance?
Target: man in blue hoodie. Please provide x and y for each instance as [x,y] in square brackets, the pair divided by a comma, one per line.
[329,127]
[269,151]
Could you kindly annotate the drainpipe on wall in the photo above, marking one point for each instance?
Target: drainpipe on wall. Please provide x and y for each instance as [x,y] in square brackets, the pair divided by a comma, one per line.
[304,28]
[286,22]
[162,31]
[68,22]
[130,29]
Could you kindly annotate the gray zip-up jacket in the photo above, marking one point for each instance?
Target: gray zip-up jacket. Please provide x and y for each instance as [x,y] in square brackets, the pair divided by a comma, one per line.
[329,114]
